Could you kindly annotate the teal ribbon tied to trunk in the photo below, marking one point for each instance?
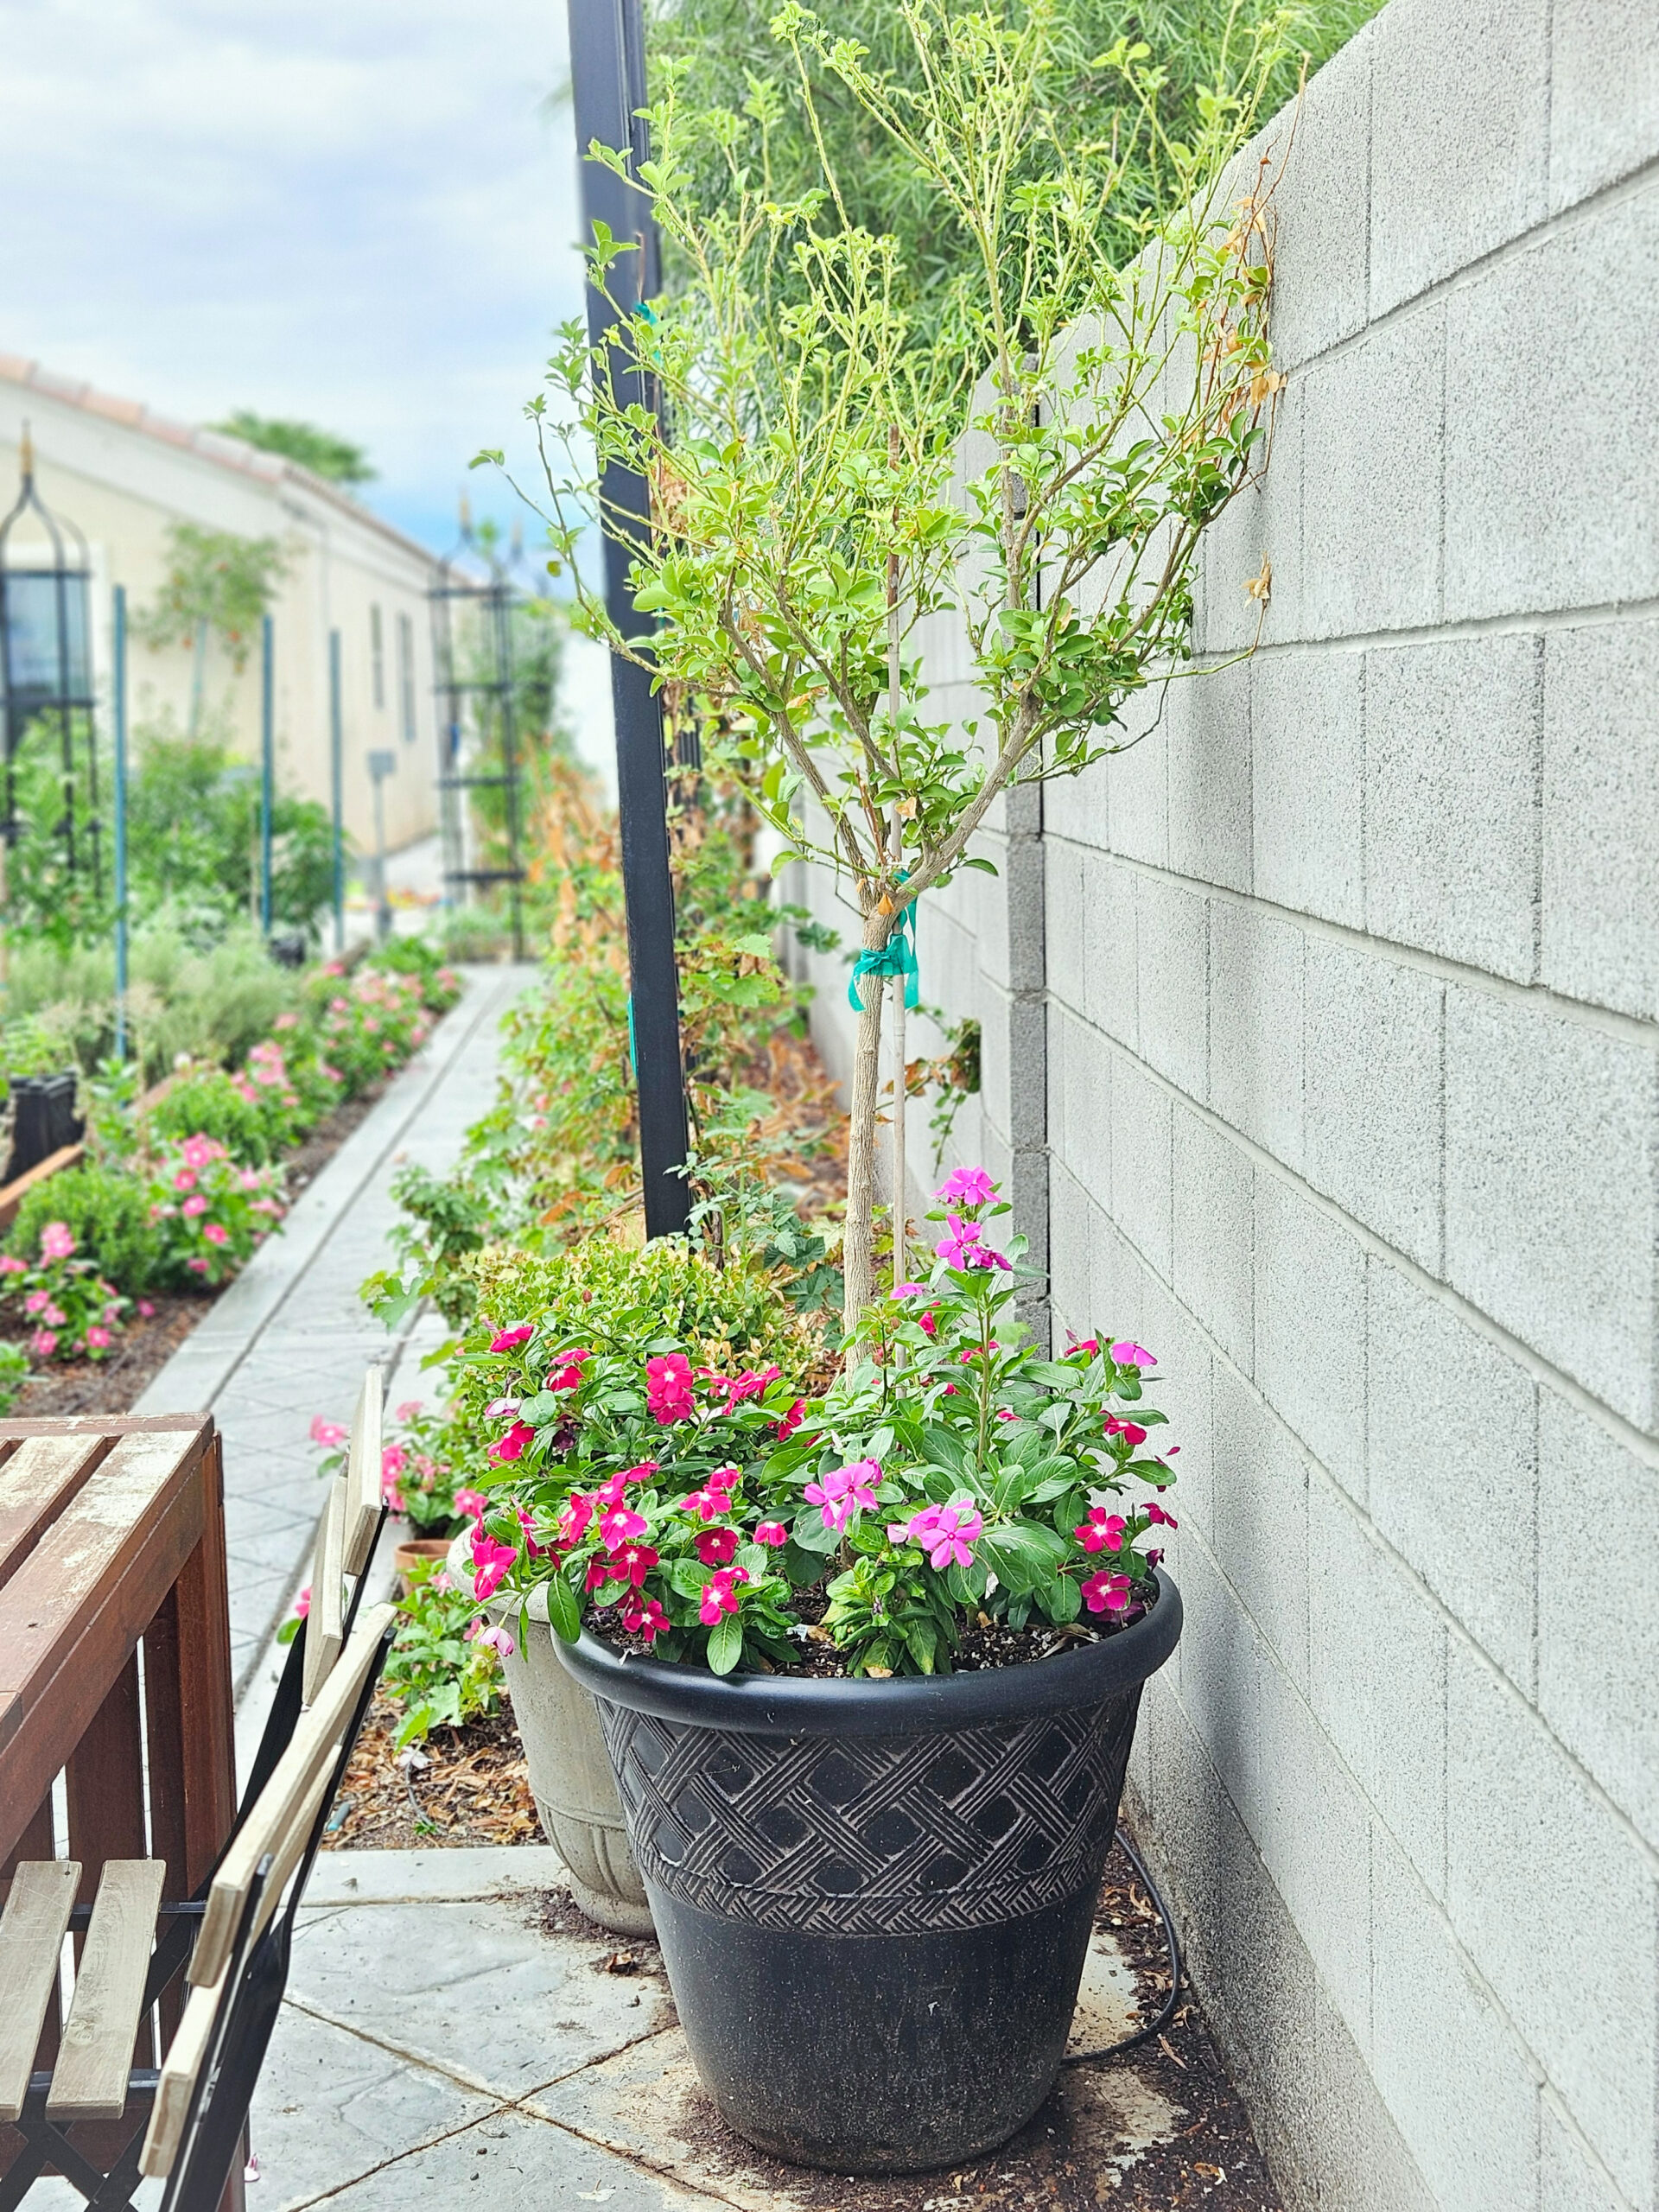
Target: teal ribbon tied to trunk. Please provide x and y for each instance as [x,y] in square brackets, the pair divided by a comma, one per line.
[896,958]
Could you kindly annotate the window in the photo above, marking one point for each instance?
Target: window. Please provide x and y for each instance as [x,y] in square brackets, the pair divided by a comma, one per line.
[377,655]
[406,674]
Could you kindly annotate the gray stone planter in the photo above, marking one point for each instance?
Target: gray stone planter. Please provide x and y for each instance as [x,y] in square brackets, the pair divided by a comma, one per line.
[570,1776]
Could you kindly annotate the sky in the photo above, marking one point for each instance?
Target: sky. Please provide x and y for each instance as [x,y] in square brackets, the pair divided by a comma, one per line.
[361,213]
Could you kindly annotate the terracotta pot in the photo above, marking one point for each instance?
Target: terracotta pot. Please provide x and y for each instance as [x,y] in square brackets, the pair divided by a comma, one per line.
[435,1548]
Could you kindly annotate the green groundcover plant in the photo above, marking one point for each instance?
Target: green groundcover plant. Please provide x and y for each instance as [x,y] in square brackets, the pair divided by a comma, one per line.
[74,1313]
[950,1478]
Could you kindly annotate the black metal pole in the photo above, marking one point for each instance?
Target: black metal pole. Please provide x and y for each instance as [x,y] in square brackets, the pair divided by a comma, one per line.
[607,77]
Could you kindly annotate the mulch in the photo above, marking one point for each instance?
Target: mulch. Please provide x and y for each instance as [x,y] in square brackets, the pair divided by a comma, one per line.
[141,1349]
[472,1789]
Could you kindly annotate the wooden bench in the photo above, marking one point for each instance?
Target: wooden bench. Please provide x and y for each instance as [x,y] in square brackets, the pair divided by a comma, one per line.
[135,1943]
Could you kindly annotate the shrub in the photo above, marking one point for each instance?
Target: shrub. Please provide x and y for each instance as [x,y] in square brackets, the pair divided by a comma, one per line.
[74,1312]
[106,1212]
[445,1667]
[211,1215]
[14,1373]
[213,1104]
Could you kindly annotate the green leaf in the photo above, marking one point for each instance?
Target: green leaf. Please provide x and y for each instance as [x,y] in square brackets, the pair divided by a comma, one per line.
[941,1448]
[564,1615]
[725,1643]
[809,1533]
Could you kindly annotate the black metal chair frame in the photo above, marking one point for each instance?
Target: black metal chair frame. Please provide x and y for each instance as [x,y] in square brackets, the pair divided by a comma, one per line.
[253,1991]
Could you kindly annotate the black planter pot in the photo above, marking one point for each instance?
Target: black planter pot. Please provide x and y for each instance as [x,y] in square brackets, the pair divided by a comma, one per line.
[874,1898]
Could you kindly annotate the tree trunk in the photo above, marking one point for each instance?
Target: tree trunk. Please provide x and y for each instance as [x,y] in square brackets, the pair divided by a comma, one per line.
[858,1246]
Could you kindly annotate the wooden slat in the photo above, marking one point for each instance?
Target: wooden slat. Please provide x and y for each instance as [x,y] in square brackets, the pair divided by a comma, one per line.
[31,1940]
[69,1622]
[36,1481]
[90,2079]
[13,1194]
[363,1472]
[325,1624]
[209,1733]
[314,1747]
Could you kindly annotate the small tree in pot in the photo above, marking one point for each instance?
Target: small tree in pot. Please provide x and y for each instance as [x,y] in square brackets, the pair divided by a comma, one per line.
[869,1668]
[825,479]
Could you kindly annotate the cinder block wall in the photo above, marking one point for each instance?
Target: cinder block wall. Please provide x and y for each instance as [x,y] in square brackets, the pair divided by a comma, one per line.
[1319,1038]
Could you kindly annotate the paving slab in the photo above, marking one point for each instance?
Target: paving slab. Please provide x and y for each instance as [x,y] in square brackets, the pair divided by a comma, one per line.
[290,1338]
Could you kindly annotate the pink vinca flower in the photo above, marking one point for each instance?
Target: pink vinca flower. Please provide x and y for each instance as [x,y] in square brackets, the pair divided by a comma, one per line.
[200,1152]
[1130,1429]
[98,1337]
[1156,1512]
[473,1503]
[772,1533]
[510,1340]
[1106,1592]
[668,1387]
[567,1376]
[37,1302]
[11,1266]
[498,1639]
[193,1205]
[968,1186]
[410,1410]
[56,1242]
[842,1490]
[720,1594]
[577,1513]
[643,1616]
[964,1247]
[619,1524]
[1127,1354]
[302,1603]
[944,1532]
[498,1409]
[631,1562]
[1102,1531]
[146,1311]
[184,1180]
[43,1344]
[784,1429]
[717,1547]
[328,1434]
[491,1560]
[215,1232]
[512,1445]
[197,1265]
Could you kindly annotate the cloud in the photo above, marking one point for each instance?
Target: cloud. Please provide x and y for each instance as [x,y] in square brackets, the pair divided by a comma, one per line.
[361,213]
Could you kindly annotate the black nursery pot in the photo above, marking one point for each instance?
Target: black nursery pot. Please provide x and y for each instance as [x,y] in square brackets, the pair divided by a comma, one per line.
[874,1898]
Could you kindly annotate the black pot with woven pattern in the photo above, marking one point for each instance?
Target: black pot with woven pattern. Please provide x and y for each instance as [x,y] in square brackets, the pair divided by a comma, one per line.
[874,1898]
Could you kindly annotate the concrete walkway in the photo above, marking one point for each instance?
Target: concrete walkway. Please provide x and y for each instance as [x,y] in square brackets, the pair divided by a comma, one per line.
[290,1338]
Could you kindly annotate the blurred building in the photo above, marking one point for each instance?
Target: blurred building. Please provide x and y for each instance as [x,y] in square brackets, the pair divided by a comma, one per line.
[122,474]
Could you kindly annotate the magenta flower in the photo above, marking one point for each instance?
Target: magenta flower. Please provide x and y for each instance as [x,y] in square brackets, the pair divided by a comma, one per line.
[56,1242]
[37,1302]
[569,1376]
[498,1639]
[965,1246]
[720,1594]
[491,1562]
[843,1490]
[911,1290]
[184,1180]
[968,1186]
[927,1323]
[510,1340]
[193,1206]
[43,1344]
[1105,1593]
[668,1387]
[1132,1430]
[1102,1531]
[197,1265]
[772,1533]
[944,1532]
[98,1337]
[643,1616]
[713,1499]
[215,1232]
[1090,1345]
[146,1311]
[785,1427]
[328,1434]
[717,1547]
[11,1266]
[578,1512]
[512,1445]
[618,1524]
[200,1152]
[630,1563]
[1133,1354]
[1156,1513]
[473,1503]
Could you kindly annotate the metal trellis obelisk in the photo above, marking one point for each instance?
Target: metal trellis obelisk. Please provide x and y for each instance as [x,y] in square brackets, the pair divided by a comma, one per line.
[607,75]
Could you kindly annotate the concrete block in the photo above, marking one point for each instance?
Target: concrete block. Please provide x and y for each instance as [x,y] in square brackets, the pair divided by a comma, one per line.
[1460,134]
[1575,316]
[1027,1072]
[1601,797]
[1599,1661]
[1571,2179]
[1604,95]
[1555,1900]
[1550,1204]
[1209,777]
[1307,753]
[1065,910]
[1111,993]
[1372,1046]
[1258,1517]
[1221,1657]
[1141,1160]
[1135,781]
[1451,1459]
[1256,1026]
[1081,1086]
[1450,2066]
[1070,1238]
[1376,1676]
[1321,285]
[1212,1235]
[1371,465]
[1310,1328]
[1260,526]
[1172,982]
[1452,799]
[1184,1834]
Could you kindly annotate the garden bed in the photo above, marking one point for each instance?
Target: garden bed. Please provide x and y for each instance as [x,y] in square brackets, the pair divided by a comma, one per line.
[472,1789]
[142,1348]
